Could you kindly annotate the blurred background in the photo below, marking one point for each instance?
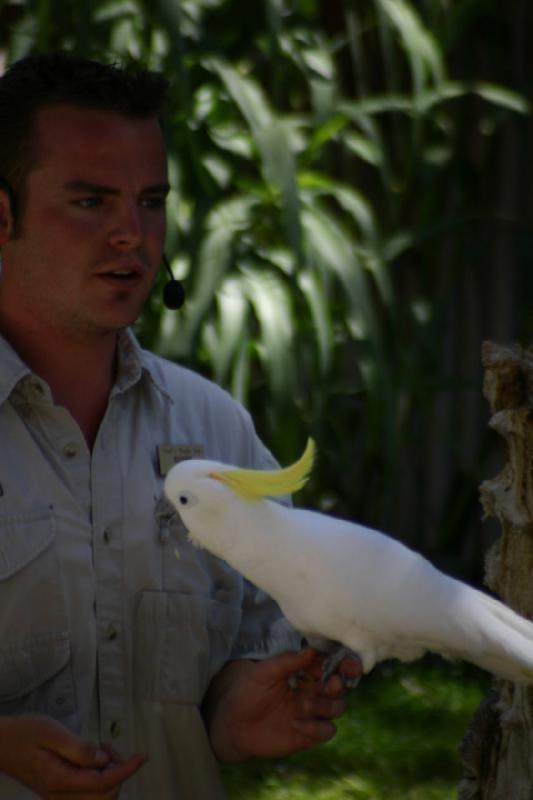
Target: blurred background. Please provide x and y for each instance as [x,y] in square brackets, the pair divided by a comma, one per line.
[351,215]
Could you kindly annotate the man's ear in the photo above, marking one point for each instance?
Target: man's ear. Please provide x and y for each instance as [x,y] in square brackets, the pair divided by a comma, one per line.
[6,215]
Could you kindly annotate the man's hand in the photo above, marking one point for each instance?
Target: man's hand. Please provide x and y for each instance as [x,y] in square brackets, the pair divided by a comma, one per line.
[252,711]
[54,763]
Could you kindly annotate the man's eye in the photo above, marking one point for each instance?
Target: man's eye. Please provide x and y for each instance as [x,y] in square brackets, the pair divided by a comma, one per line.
[88,202]
[153,202]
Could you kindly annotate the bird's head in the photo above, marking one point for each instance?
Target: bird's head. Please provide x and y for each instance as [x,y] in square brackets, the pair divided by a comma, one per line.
[197,485]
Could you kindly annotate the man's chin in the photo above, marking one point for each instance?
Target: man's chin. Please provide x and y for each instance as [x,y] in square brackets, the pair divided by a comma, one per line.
[121,313]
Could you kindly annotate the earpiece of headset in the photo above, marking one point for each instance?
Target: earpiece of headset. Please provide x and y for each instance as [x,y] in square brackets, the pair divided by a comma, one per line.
[173,292]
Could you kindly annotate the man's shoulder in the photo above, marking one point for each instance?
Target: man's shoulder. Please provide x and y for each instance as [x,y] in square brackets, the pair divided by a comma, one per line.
[197,410]
[184,384]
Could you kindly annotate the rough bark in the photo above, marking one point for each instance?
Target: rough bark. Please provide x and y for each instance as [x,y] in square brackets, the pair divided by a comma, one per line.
[497,751]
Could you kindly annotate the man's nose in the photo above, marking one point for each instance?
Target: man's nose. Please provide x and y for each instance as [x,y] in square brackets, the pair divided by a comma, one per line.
[127,229]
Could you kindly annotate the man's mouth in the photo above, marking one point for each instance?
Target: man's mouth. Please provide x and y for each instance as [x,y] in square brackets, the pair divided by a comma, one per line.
[123,275]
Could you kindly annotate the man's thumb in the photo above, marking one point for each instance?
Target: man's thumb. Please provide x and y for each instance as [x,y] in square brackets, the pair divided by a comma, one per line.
[79,752]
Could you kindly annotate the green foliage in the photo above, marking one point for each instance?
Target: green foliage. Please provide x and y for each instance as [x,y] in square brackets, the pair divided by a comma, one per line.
[311,163]
[398,741]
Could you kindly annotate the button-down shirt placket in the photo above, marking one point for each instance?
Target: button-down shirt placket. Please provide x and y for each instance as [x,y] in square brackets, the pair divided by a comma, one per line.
[107,499]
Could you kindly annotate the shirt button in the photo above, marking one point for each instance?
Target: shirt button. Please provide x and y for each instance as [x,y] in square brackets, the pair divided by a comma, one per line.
[111,632]
[70,450]
[37,389]
[115,729]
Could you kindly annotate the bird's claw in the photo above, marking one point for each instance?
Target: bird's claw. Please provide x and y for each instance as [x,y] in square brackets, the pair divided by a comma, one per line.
[333,661]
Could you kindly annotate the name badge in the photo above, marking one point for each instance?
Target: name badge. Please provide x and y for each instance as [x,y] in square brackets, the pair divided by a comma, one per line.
[170,454]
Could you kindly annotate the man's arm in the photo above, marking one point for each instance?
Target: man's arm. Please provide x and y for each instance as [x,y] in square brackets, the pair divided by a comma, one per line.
[253,710]
[54,763]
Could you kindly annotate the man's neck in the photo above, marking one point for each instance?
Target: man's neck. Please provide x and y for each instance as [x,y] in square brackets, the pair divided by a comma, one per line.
[79,370]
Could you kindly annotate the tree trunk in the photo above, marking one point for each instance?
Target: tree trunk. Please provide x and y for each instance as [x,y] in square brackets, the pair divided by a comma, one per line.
[497,751]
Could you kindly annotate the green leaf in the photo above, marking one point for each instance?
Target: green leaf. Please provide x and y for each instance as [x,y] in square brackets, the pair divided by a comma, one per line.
[272,304]
[397,244]
[428,98]
[273,140]
[319,61]
[358,110]
[334,253]
[364,148]
[280,257]
[500,96]
[313,289]
[419,43]
[225,222]
[352,201]
[240,379]
[219,170]
[116,10]
[232,138]
[280,169]
[223,337]
[325,133]
[357,205]
[274,9]
[247,94]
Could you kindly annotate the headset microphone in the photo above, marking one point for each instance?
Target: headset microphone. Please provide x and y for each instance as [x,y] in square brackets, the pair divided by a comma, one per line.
[173,293]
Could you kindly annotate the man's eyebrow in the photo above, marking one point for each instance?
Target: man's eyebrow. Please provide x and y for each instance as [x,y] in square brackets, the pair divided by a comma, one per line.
[157,188]
[97,188]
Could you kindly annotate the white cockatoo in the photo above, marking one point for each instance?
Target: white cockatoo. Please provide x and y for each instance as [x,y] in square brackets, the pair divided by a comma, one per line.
[338,581]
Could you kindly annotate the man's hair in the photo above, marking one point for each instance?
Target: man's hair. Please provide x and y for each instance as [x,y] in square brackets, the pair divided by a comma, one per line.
[50,79]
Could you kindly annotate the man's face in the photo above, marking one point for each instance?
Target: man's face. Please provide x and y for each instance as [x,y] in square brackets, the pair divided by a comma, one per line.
[93,224]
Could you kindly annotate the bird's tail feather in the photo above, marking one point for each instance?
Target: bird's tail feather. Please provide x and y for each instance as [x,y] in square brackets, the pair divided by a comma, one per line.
[504,640]
[508,616]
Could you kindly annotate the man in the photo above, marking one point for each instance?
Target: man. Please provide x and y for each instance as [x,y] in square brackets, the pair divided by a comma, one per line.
[123,670]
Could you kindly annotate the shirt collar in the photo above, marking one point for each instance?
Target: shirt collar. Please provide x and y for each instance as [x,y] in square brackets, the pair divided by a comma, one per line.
[133,365]
[12,369]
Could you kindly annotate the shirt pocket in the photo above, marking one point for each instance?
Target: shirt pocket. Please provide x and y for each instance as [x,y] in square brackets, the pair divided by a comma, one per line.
[35,668]
[181,642]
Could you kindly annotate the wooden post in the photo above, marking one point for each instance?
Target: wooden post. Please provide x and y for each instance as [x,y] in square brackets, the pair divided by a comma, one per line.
[497,751]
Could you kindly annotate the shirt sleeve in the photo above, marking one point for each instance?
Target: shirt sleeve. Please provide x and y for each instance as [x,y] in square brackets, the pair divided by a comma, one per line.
[264,631]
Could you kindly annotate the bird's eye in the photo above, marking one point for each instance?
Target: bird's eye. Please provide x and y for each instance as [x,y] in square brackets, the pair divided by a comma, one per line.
[186,499]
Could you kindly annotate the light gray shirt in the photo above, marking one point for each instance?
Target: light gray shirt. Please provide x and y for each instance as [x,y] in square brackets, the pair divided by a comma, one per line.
[102,626]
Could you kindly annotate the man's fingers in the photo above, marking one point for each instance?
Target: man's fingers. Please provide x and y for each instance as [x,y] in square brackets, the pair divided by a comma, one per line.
[81,754]
[324,707]
[94,768]
[293,661]
[112,776]
[56,739]
[91,768]
[314,731]
[52,761]
[118,773]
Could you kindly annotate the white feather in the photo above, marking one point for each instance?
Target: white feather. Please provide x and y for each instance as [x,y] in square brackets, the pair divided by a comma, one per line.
[340,581]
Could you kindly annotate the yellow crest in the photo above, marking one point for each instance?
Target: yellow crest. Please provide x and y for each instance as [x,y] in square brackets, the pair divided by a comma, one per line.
[253,484]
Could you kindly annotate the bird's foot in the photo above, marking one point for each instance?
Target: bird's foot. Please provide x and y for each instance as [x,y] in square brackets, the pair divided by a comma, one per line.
[333,661]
